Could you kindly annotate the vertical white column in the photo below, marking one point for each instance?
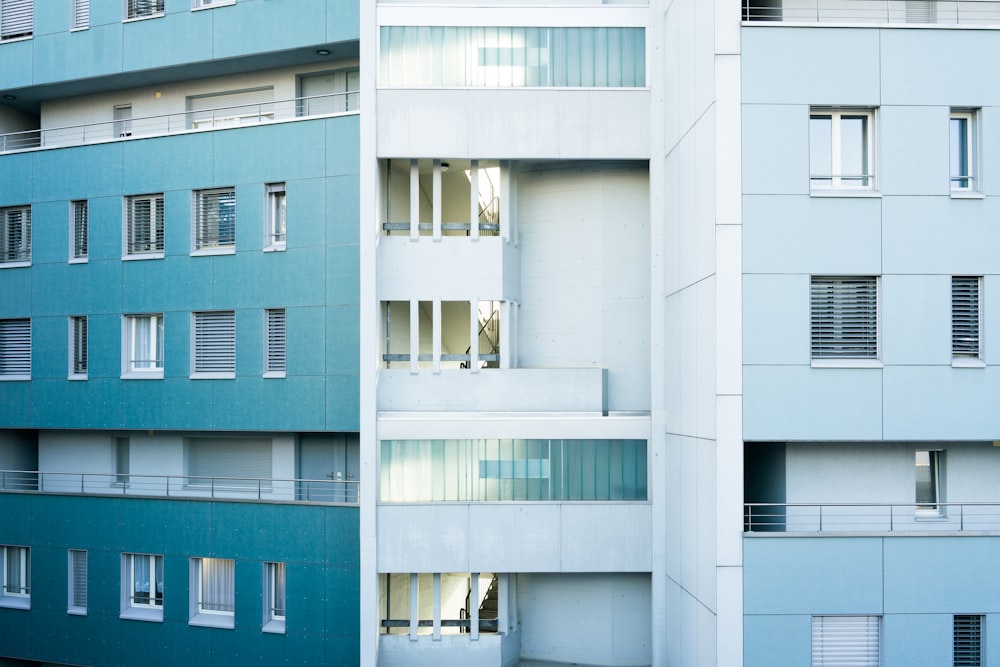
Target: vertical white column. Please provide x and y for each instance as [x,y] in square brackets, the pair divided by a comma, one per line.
[436,335]
[474,606]
[507,231]
[505,311]
[437,606]
[474,335]
[436,201]
[414,200]
[503,591]
[474,200]
[414,335]
[414,605]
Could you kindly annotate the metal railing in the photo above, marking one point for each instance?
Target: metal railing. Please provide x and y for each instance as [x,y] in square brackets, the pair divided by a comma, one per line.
[180,486]
[185,121]
[869,517]
[983,13]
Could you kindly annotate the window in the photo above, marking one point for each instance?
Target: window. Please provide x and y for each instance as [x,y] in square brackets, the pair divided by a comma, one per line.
[214,344]
[15,349]
[966,317]
[841,148]
[78,347]
[144,226]
[81,15]
[123,120]
[274,342]
[844,317]
[928,481]
[196,4]
[968,641]
[214,220]
[121,461]
[16,19]
[212,592]
[274,234]
[77,603]
[845,640]
[231,108]
[78,230]
[143,345]
[274,597]
[142,587]
[245,462]
[329,92]
[964,138]
[136,9]
[15,236]
[16,591]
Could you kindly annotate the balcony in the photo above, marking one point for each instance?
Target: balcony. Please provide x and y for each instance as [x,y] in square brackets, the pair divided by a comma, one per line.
[172,486]
[336,104]
[908,13]
[842,518]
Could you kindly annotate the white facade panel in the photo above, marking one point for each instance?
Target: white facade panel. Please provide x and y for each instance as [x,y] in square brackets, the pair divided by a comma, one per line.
[464,269]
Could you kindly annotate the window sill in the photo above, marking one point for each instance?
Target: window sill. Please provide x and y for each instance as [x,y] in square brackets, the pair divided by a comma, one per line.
[275,627]
[78,260]
[213,376]
[14,378]
[274,374]
[77,611]
[213,5]
[845,192]
[846,363]
[225,621]
[80,29]
[137,614]
[967,362]
[15,602]
[147,375]
[967,194]
[77,377]
[14,265]
[138,256]
[143,18]
[208,252]
[274,248]
[16,39]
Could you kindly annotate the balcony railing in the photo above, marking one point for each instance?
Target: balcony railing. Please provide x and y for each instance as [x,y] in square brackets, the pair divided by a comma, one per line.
[180,486]
[870,518]
[185,121]
[982,13]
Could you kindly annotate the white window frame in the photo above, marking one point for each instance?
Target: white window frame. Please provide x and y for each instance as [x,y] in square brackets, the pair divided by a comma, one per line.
[832,636]
[18,22]
[138,10]
[134,367]
[203,610]
[967,640]
[79,231]
[207,220]
[967,322]
[831,333]
[837,182]
[276,217]
[150,609]
[275,597]
[133,246]
[965,185]
[15,349]
[15,576]
[76,593]
[934,506]
[15,252]
[213,345]
[275,342]
[79,15]
[79,340]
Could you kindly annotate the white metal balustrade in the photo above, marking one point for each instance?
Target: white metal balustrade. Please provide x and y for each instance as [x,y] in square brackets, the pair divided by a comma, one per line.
[870,517]
[979,13]
[181,486]
[185,121]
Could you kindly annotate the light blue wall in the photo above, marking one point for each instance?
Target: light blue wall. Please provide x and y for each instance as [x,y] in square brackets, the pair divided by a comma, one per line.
[315,279]
[913,234]
[916,584]
[318,544]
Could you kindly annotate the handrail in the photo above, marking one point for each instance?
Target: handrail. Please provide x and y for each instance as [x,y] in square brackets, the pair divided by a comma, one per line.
[241,115]
[180,486]
[870,517]
[979,13]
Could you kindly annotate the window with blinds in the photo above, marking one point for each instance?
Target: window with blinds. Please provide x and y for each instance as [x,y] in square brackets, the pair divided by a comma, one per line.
[15,235]
[17,19]
[966,316]
[144,225]
[214,353]
[844,317]
[230,462]
[77,603]
[274,342]
[136,9]
[215,219]
[78,346]
[845,641]
[15,349]
[81,15]
[231,108]
[78,229]
[968,641]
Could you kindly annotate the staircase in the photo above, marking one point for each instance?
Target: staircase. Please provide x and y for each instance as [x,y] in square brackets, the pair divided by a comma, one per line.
[488,608]
[488,338]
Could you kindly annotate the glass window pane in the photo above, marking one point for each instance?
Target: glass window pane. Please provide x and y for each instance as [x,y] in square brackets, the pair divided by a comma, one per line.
[854,149]
[820,149]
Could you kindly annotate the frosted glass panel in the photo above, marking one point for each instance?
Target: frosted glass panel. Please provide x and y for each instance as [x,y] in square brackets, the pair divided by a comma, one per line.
[507,57]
